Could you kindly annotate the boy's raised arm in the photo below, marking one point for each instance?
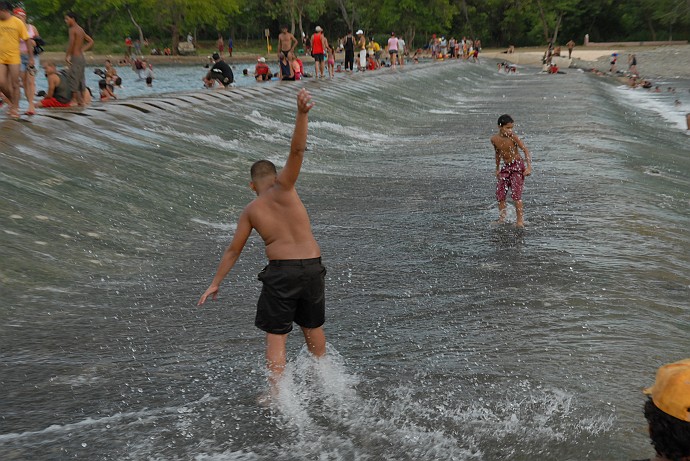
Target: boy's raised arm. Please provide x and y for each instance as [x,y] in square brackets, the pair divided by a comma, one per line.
[288,175]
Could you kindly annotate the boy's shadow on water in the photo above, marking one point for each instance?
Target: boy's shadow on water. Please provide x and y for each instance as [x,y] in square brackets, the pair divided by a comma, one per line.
[507,236]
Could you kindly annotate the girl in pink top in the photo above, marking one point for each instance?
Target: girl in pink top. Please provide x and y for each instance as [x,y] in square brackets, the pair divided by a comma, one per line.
[27,74]
[393,48]
[296,68]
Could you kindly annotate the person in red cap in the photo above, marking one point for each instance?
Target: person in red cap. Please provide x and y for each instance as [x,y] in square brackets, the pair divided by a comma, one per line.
[12,33]
[667,411]
[319,44]
[262,72]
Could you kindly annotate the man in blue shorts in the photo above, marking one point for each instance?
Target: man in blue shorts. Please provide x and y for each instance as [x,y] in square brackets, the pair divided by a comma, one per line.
[293,280]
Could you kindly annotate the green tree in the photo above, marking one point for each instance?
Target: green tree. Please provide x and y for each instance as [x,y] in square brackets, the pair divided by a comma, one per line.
[411,17]
[176,16]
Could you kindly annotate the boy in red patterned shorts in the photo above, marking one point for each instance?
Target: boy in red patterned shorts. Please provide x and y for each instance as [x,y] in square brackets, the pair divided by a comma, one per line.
[512,174]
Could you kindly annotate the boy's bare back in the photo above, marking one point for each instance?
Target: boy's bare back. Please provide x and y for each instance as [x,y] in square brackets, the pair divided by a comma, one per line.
[277,213]
[506,144]
[279,216]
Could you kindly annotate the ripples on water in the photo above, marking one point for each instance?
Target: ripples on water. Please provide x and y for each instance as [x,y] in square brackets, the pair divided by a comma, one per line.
[450,337]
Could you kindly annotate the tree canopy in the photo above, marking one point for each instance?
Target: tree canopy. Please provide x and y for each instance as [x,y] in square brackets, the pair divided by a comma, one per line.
[496,22]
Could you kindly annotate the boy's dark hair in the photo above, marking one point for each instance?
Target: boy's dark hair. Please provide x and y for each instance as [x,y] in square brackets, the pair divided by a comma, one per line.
[263,168]
[505,119]
[670,436]
[5,6]
[73,15]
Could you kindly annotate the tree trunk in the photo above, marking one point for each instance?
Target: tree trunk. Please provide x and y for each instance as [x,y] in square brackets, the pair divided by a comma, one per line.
[141,32]
[292,17]
[543,21]
[411,32]
[558,25]
[175,30]
[651,28]
[350,19]
[301,27]
[96,25]
[467,17]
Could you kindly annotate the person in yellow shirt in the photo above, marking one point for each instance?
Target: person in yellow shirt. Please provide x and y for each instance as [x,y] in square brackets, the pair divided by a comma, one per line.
[376,48]
[12,32]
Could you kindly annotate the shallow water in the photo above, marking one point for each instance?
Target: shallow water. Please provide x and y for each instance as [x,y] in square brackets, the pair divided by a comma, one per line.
[450,337]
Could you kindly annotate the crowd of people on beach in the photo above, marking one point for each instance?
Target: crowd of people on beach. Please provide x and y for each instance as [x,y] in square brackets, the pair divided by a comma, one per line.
[20,47]
[355,52]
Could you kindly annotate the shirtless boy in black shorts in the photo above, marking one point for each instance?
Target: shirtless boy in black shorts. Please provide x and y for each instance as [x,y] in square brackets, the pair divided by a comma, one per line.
[293,280]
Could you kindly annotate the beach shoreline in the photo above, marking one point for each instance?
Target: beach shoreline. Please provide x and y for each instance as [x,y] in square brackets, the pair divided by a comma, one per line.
[654,61]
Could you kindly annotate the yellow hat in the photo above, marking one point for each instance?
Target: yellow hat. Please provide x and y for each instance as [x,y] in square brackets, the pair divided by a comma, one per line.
[671,390]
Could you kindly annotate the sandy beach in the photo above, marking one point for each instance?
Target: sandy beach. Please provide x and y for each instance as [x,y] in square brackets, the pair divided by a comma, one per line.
[653,62]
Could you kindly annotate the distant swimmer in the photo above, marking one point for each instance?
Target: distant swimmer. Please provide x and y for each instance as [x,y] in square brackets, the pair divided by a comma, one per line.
[512,174]
[294,279]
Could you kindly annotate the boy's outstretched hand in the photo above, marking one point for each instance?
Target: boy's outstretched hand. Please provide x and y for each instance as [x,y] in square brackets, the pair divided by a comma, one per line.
[304,103]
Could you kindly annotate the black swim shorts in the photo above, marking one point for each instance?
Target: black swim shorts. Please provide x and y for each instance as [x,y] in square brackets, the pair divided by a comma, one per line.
[317,57]
[293,291]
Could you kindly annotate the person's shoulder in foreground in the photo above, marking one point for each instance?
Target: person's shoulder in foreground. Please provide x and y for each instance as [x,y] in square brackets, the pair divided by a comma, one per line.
[667,411]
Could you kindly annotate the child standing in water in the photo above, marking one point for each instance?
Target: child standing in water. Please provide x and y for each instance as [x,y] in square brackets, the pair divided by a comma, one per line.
[293,280]
[512,174]
[331,61]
